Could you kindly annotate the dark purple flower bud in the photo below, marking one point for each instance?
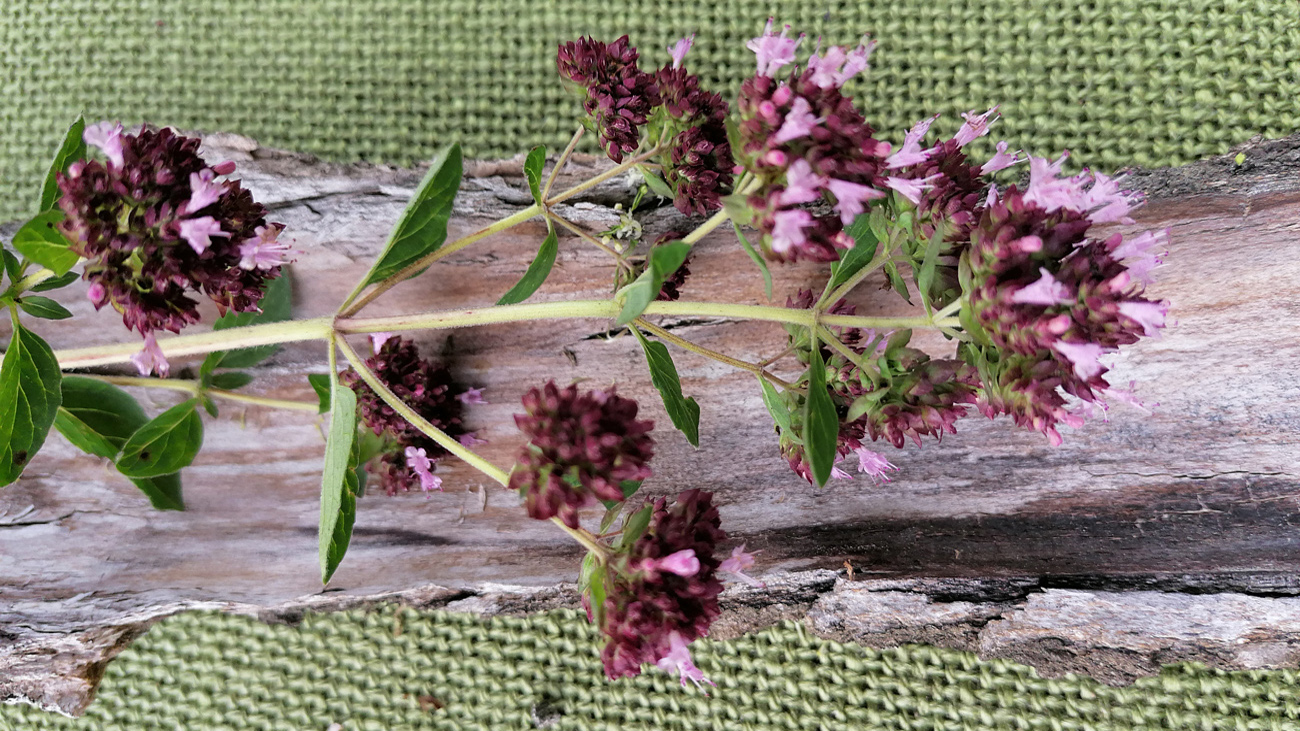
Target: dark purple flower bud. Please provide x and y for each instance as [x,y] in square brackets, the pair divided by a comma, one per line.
[619,95]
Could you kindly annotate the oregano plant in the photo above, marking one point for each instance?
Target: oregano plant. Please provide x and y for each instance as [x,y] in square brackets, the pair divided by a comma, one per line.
[1030,297]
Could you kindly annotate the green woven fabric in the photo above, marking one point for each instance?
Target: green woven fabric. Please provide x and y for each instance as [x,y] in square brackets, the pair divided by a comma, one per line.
[391,671]
[1118,82]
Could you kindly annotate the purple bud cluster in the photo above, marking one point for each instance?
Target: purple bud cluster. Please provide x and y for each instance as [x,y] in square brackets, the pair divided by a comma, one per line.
[619,96]
[155,223]
[663,592]
[580,448]
[700,157]
[427,387]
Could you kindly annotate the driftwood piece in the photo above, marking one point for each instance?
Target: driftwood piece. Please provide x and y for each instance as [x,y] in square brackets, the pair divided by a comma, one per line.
[1141,540]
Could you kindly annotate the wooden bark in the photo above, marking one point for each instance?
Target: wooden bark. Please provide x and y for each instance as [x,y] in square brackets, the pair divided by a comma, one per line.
[991,541]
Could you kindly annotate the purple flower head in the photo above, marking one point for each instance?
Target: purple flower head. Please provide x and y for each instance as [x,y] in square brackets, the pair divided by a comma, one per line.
[619,96]
[580,448]
[773,51]
[679,49]
[107,136]
[264,251]
[1101,202]
[699,164]
[975,126]
[802,185]
[1150,316]
[787,229]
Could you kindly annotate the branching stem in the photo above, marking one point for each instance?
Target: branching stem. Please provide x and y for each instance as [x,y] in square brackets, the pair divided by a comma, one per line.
[175,384]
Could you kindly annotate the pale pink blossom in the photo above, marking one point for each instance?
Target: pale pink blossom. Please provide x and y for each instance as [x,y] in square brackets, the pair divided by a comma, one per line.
[472,396]
[1140,269]
[1084,356]
[787,229]
[1150,315]
[802,185]
[975,126]
[1046,291]
[1141,244]
[678,660]
[107,136]
[911,188]
[377,340]
[773,51]
[682,563]
[911,152]
[1000,160]
[836,66]
[799,121]
[264,251]
[1107,202]
[738,563]
[151,358]
[874,465]
[199,232]
[992,196]
[224,168]
[1127,396]
[418,460]
[203,192]
[1047,191]
[679,49]
[470,438]
[839,474]
[1028,244]
[850,197]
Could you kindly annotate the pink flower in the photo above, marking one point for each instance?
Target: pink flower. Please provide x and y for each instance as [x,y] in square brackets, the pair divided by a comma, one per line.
[799,121]
[849,198]
[151,359]
[377,341]
[787,229]
[98,294]
[1140,244]
[1000,160]
[470,439]
[802,185]
[837,67]
[1046,291]
[683,563]
[472,396]
[839,474]
[1107,202]
[203,191]
[873,465]
[1084,356]
[1047,191]
[1150,315]
[678,660]
[773,51]
[224,168]
[418,461]
[911,152]
[679,49]
[107,136]
[910,188]
[736,565]
[264,251]
[975,127]
[198,232]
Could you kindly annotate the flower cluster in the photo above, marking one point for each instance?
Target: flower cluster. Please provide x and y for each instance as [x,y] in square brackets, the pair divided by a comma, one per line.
[619,96]
[663,591]
[410,456]
[699,162]
[581,447]
[155,223]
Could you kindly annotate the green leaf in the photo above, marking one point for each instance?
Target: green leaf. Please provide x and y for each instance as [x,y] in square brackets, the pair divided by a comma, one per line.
[629,488]
[863,251]
[163,491]
[656,184]
[231,380]
[72,150]
[423,225]
[591,582]
[44,308]
[320,383]
[925,273]
[821,423]
[277,306]
[97,417]
[537,272]
[533,171]
[56,282]
[29,400]
[338,496]
[41,242]
[776,405]
[634,527]
[164,445]
[208,405]
[662,262]
[13,267]
[684,412]
[896,279]
[757,258]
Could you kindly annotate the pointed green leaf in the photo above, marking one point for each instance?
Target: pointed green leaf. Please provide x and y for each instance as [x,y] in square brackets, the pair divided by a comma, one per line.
[896,279]
[209,405]
[684,412]
[42,243]
[591,582]
[537,272]
[776,405]
[662,262]
[29,400]
[338,497]
[533,171]
[656,184]
[13,267]
[164,445]
[821,423]
[231,380]
[277,306]
[853,260]
[629,488]
[56,282]
[44,308]
[634,526]
[72,150]
[320,383]
[97,417]
[163,491]
[757,258]
[423,225]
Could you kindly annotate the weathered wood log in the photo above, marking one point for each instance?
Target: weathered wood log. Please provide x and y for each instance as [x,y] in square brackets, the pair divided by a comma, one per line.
[991,541]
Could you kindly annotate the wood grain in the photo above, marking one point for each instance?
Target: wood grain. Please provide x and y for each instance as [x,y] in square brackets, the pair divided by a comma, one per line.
[1200,497]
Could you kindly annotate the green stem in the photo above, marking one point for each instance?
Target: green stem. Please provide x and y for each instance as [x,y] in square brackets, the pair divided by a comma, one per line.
[838,346]
[564,157]
[351,307]
[238,337]
[586,539]
[584,235]
[612,172]
[877,261]
[193,387]
[698,349]
[718,218]
[419,422]
[29,281]
[952,307]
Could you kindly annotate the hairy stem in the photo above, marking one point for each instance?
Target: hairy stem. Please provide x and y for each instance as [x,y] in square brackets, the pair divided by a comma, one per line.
[877,261]
[611,173]
[175,384]
[564,158]
[419,422]
[573,228]
[698,349]
[586,539]
[199,344]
